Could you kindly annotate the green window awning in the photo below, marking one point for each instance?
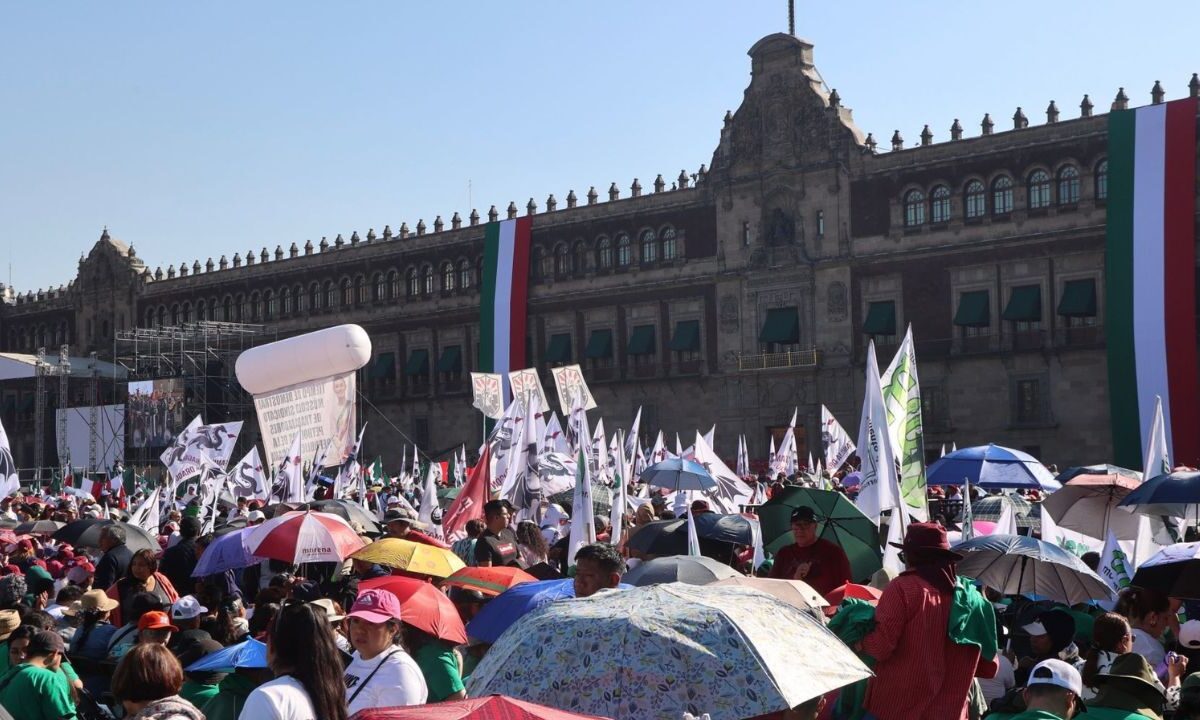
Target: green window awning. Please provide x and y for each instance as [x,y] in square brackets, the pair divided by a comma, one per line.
[974,309]
[383,367]
[781,326]
[450,360]
[1025,304]
[418,363]
[558,350]
[687,336]
[1078,298]
[642,340]
[599,345]
[881,318]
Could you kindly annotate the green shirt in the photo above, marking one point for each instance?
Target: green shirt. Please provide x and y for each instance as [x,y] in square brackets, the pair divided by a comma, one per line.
[1030,715]
[1110,713]
[65,668]
[198,693]
[439,665]
[34,693]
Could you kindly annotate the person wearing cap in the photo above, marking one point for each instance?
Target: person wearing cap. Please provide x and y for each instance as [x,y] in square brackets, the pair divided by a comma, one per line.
[35,690]
[155,627]
[498,544]
[401,522]
[1051,635]
[255,517]
[186,614]
[202,685]
[381,673]
[815,560]
[1054,692]
[922,670]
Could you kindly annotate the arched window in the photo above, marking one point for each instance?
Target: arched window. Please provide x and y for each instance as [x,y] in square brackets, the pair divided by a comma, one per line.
[604,254]
[427,279]
[347,294]
[393,285]
[187,312]
[174,314]
[547,263]
[1002,195]
[162,315]
[914,208]
[1102,180]
[535,263]
[414,283]
[670,247]
[975,200]
[201,310]
[270,309]
[1068,185]
[330,295]
[361,289]
[581,257]
[939,204]
[298,299]
[624,251]
[380,286]
[255,307]
[464,274]
[285,302]
[1039,189]
[448,277]
[314,297]
[649,243]
[149,318]
[227,309]
[562,260]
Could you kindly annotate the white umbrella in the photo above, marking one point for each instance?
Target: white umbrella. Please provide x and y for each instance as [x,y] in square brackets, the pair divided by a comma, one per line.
[1016,565]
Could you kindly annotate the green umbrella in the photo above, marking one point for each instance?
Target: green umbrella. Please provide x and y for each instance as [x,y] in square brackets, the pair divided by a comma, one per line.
[447,495]
[842,524]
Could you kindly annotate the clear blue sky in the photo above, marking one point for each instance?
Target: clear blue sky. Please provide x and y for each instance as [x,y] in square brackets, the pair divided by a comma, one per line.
[200,129]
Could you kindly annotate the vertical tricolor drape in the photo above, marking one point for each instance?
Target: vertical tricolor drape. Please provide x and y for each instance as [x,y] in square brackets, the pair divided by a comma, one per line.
[1151,279]
[504,296]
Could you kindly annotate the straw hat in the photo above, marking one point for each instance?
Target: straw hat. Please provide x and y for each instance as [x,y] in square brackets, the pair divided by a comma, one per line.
[93,600]
[9,620]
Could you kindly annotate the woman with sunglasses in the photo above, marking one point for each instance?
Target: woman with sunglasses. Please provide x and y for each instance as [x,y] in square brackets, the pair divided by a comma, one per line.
[308,670]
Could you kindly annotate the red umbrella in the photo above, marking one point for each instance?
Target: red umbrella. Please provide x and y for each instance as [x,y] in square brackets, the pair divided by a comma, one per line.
[851,590]
[492,707]
[304,537]
[422,605]
[489,580]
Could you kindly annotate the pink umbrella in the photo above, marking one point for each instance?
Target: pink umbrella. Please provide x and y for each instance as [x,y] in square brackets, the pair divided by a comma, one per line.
[304,537]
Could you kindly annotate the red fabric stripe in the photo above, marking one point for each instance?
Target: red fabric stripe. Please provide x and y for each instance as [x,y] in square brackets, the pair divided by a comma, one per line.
[1179,283]
[280,541]
[520,293]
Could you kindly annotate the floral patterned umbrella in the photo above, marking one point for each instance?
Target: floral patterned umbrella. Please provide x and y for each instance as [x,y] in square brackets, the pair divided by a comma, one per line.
[663,650]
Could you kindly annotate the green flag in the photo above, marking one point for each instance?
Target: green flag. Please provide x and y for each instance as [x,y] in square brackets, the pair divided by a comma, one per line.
[902,400]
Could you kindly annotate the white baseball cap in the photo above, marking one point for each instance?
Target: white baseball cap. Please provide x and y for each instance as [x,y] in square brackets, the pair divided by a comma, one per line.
[1034,628]
[1189,634]
[1059,673]
[186,608]
[255,516]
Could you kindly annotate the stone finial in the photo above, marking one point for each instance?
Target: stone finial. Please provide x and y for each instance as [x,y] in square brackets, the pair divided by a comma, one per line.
[438,224]
[926,136]
[104,233]
[1157,93]
[493,214]
[208,266]
[592,195]
[835,100]
[1193,86]
[420,227]
[1121,101]
[956,130]
[223,263]
[531,207]
[1085,107]
[870,143]
[133,253]
[183,269]
[371,235]
[728,116]
[279,251]
[702,173]
[354,239]
[1019,120]
[403,231]
[250,257]
[158,273]
[613,192]
[308,247]
[659,184]
[683,179]
[264,256]
[293,251]
[551,203]
[1051,113]
[474,217]
[338,242]
[324,246]
[572,201]
[897,141]
[635,190]
[170,271]
[455,221]
[987,125]
[195,267]
[387,232]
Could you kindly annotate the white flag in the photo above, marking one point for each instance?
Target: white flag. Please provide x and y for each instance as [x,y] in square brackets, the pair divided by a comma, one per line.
[214,442]
[878,489]
[620,483]
[693,539]
[9,483]
[429,499]
[838,445]
[785,460]
[247,478]
[1114,566]
[968,515]
[555,440]
[488,389]
[289,479]
[896,528]
[583,522]
[1158,461]
[731,492]
[146,516]
[902,400]
[743,459]
[1007,523]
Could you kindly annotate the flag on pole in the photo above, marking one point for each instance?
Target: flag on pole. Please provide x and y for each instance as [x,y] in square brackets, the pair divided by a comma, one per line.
[785,460]
[289,478]
[247,478]
[1007,523]
[743,459]
[620,483]
[968,517]
[693,538]
[838,445]
[9,483]
[902,400]
[896,528]
[878,489]
[1114,567]
[146,516]
[429,500]
[583,523]
[1158,457]
[504,293]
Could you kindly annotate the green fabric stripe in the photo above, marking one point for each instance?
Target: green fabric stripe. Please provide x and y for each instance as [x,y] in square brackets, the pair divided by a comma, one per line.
[1122,374]
[487,297]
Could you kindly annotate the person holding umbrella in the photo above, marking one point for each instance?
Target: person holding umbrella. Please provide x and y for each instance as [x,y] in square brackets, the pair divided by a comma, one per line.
[818,562]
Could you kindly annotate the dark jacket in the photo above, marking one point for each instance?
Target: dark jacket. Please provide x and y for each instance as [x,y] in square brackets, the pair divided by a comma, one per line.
[178,563]
[113,566]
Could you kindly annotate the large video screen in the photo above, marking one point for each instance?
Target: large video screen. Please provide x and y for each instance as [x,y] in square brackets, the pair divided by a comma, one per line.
[154,412]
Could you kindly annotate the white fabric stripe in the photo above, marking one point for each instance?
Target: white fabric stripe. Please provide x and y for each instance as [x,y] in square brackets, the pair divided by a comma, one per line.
[1149,265]
[503,303]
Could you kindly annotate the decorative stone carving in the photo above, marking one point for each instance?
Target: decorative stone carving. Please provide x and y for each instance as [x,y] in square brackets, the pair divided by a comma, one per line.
[729,314]
[836,301]
[781,230]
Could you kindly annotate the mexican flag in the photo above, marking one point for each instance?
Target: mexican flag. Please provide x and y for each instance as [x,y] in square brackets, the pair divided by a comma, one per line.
[504,293]
[1150,279]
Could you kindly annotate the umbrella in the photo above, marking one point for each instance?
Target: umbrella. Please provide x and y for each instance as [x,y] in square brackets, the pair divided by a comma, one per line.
[679,568]
[86,533]
[1175,494]
[842,524]
[8,523]
[669,537]
[38,527]
[350,511]
[1021,565]
[506,608]
[664,650]
[991,507]
[601,499]
[492,707]
[1071,473]
[447,495]
[225,552]
[678,474]
[853,590]
[852,480]
[248,654]
[306,536]
[413,557]
[1175,570]
[991,466]
[1085,504]
[489,580]
[8,537]
[423,606]
[796,593]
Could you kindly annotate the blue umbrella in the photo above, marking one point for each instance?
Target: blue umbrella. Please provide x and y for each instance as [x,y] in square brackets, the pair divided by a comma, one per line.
[1175,494]
[248,654]
[511,605]
[679,474]
[226,552]
[991,466]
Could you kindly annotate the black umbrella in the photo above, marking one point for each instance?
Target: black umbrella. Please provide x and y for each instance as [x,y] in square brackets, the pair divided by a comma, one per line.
[679,568]
[1174,570]
[669,537]
[86,533]
[349,511]
[38,527]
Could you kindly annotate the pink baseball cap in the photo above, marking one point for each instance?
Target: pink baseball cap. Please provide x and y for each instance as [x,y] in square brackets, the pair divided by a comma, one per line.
[375,606]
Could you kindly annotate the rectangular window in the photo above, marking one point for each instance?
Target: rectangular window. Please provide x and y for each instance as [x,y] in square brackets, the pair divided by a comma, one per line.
[599,350]
[685,343]
[1024,308]
[417,369]
[558,350]
[780,330]
[881,319]
[382,374]
[642,346]
[449,365]
[1028,401]
[974,313]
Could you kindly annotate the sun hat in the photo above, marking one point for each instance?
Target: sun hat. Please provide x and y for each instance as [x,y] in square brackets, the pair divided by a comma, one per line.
[402,514]
[9,620]
[97,600]
[375,606]
[927,539]
[1131,684]
[156,620]
[330,611]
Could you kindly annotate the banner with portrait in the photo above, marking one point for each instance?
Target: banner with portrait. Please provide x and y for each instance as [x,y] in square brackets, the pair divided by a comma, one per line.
[323,410]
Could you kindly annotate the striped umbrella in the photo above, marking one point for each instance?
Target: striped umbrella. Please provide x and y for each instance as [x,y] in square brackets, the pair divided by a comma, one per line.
[489,580]
[307,536]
